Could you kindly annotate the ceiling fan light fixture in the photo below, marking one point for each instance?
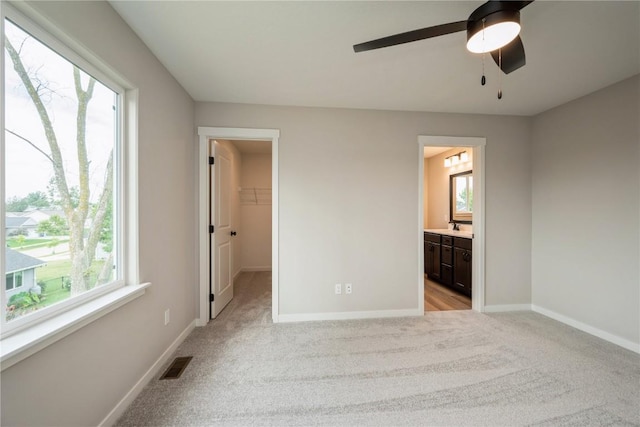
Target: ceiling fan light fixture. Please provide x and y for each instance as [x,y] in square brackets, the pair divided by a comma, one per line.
[497,30]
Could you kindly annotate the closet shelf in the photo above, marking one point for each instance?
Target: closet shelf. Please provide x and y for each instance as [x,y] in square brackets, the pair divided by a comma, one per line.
[255,196]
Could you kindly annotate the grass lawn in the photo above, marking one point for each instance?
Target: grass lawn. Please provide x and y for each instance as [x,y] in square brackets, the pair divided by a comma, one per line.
[62,268]
[52,275]
[55,294]
[53,270]
[14,243]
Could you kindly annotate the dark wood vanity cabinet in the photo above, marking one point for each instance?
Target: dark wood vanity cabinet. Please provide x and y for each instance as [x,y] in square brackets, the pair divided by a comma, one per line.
[447,260]
[432,255]
[462,257]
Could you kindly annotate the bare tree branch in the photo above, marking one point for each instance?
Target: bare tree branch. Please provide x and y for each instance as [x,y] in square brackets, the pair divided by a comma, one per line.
[84,96]
[30,143]
[56,154]
[93,237]
[22,44]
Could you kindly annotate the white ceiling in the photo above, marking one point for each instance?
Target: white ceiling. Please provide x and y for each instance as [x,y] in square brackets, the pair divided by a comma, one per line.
[300,53]
[434,151]
[252,147]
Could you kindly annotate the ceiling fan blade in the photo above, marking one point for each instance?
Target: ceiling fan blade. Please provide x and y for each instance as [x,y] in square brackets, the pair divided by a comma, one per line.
[512,56]
[493,6]
[412,36]
[521,4]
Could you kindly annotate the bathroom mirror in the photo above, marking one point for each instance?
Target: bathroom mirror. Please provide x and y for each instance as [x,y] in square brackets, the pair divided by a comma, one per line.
[461,197]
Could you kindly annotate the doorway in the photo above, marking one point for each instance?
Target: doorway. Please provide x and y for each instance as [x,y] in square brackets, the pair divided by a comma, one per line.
[475,242]
[207,269]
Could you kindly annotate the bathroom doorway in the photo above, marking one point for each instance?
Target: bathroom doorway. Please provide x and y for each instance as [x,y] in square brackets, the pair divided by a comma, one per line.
[451,234]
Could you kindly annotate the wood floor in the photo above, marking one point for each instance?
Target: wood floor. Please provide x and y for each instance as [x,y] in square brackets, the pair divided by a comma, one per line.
[441,298]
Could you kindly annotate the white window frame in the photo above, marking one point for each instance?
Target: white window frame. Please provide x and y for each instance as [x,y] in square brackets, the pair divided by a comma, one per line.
[22,337]
[455,214]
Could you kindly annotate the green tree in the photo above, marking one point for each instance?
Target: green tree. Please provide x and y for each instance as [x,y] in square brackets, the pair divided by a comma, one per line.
[57,199]
[52,244]
[54,226]
[37,199]
[462,204]
[82,243]
[20,239]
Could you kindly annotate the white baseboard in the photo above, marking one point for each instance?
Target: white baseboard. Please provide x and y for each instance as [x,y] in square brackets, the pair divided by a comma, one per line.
[348,315]
[614,339]
[501,308]
[263,268]
[119,409]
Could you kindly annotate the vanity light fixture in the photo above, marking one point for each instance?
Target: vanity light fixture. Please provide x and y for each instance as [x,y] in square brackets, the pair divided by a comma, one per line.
[454,159]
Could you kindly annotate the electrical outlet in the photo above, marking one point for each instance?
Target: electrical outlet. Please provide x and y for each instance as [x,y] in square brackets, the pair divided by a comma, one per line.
[347,288]
[167,314]
[338,288]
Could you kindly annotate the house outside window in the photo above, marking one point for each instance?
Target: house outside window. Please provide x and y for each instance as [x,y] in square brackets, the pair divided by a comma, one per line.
[21,287]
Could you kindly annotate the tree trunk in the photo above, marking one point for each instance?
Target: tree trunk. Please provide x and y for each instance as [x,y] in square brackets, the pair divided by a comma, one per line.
[105,272]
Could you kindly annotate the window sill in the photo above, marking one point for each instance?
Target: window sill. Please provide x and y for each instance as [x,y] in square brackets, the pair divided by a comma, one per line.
[18,347]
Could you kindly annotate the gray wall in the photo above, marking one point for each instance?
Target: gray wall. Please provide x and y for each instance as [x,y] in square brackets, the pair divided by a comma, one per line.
[585,252]
[349,202]
[79,379]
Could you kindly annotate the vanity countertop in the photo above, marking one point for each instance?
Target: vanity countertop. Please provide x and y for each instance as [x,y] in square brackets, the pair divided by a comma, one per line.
[447,232]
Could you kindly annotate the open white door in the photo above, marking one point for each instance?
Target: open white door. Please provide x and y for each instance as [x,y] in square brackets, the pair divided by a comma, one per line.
[206,259]
[221,253]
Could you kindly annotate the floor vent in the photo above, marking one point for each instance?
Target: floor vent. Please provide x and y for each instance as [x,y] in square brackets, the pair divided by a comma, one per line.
[176,368]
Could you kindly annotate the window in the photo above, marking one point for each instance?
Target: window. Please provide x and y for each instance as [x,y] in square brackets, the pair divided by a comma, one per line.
[63,169]
[14,280]
[461,197]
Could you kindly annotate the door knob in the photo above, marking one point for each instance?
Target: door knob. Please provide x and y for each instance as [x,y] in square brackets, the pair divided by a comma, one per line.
[233,233]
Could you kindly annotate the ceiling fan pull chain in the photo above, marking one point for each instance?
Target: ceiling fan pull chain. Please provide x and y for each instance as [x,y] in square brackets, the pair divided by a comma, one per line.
[483,80]
[499,73]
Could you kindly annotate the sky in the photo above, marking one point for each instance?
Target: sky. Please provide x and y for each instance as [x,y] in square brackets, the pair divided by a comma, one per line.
[26,170]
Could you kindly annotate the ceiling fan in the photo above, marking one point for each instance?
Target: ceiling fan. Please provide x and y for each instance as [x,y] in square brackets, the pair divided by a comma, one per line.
[493,27]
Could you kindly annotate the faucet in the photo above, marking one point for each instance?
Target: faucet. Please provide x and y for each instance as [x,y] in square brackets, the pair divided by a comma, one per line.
[456,227]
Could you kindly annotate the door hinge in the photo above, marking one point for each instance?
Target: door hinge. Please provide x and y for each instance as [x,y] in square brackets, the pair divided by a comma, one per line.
[211,228]
[211,297]
[211,160]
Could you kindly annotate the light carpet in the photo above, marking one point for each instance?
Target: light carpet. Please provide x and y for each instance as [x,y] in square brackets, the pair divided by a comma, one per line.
[447,368]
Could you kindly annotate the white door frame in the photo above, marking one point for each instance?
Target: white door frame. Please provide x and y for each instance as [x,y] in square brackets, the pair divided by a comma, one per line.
[478,264]
[205,134]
